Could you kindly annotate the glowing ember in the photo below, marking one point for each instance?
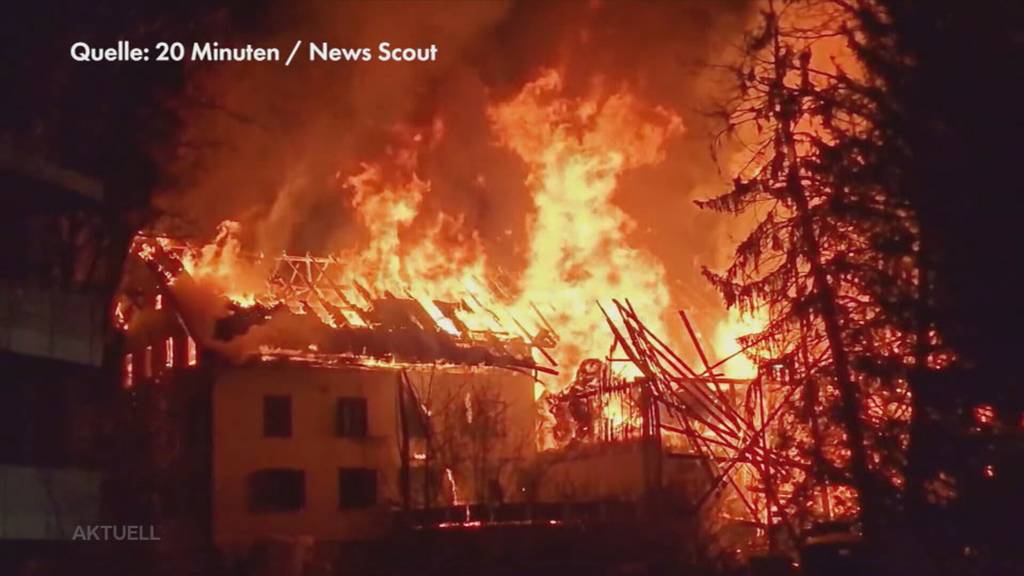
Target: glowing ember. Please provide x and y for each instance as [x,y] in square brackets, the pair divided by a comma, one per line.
[450,477]
[191,355]
[127,371]
[984,414]
[169,353]
[120,318]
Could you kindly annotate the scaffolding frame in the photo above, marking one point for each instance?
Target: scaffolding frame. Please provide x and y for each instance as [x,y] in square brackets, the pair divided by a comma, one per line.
[726,421]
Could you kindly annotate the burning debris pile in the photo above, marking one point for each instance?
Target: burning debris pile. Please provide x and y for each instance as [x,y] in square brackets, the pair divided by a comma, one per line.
[752,430]
[748,430]
[587,410]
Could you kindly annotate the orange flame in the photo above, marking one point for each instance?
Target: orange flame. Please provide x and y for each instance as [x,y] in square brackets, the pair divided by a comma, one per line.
[220,263]
[580,250]
[443,262]
[727,342]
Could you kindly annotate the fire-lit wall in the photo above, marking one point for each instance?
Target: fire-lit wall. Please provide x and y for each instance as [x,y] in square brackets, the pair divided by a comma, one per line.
[483,436]
[314,447]
[240,448]
[619,472]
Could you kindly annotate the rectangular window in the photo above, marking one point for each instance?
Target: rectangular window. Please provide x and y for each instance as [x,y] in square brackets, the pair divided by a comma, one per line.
[191,352]
[350,419]
[357,488]
[128,371]
[147,362]
[277,490]
[169,353]
[277,416]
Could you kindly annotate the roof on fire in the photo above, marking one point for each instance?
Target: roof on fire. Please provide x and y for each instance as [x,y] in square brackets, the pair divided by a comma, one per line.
[307,314]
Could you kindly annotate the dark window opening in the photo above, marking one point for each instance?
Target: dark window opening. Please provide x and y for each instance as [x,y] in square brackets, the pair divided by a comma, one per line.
[277,416]
[277,490]
[350,420]
[357,488]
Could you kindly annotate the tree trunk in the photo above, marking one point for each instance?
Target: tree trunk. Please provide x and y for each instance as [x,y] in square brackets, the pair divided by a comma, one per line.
[850,405]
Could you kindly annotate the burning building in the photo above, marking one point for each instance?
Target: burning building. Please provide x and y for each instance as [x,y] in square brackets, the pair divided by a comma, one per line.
[332,410]
[415,360]
[327,429]
[489,291]
[401,375]
[323,413]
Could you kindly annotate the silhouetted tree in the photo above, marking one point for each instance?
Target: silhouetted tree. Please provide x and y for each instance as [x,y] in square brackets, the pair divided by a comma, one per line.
[949,123]
[831,254]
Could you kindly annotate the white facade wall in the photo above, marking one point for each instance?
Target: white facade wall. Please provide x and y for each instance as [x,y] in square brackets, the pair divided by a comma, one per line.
[240,448]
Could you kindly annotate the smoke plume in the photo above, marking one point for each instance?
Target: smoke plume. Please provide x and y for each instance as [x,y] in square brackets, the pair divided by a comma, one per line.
[272,147]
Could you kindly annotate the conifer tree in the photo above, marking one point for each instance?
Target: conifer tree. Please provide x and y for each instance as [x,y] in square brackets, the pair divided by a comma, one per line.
[830,257]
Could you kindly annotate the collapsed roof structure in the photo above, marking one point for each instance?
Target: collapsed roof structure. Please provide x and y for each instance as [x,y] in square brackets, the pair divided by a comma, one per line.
[330,322]
[306,313]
